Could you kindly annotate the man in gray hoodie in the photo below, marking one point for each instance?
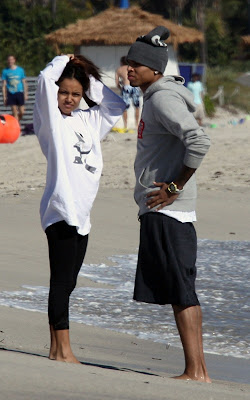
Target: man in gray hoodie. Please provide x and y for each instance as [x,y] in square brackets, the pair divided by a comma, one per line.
[170,147]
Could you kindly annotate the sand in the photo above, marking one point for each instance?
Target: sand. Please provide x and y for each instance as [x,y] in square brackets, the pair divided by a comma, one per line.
[114,365]
[226,166]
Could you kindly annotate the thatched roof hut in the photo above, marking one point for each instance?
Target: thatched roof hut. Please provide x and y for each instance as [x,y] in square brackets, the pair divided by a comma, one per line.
[245,40]
[106,37]
[117,26]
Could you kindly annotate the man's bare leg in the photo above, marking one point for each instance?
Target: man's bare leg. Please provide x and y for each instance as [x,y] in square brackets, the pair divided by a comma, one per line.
[125,119]
[14,112]
[189,324]
[60,349]
[137,116]
[200,338]
[21,113]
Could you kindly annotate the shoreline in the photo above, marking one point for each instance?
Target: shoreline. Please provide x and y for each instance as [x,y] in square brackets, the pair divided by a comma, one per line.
[109,348]
[114,365]
[25,333]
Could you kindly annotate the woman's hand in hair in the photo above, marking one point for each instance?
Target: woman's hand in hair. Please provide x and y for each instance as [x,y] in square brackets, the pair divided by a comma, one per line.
[71,56]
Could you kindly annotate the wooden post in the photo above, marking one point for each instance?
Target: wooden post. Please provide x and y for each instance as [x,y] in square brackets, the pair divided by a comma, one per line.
[201,23]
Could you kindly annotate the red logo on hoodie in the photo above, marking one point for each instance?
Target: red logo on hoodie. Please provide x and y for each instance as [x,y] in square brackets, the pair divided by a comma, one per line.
[140,129]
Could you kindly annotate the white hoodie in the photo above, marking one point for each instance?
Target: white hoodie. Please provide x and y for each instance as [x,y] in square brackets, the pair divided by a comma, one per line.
[71,145]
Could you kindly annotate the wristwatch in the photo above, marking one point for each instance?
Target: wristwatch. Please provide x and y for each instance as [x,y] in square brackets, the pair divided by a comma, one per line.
[172,188]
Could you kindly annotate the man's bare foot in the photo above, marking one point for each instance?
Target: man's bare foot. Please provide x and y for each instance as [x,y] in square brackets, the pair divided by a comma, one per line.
[183,376]
[197,378]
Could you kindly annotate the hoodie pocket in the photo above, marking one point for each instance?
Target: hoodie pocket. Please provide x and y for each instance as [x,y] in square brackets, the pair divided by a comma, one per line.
[147,178]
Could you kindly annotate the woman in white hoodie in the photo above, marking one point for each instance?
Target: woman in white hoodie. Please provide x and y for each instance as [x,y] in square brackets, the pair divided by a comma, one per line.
[70,140]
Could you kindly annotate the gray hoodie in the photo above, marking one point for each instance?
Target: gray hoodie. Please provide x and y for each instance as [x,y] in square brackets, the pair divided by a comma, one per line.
[168,137]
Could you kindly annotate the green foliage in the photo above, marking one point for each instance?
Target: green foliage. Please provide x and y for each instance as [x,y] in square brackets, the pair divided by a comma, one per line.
[22,31]
[225,22]
[209,106]
[240,66]
[23,25]
[189,52]
[218,43]
[235,94]
[235,14]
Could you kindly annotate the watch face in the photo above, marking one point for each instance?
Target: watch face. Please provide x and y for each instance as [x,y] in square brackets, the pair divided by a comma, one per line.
[172,188]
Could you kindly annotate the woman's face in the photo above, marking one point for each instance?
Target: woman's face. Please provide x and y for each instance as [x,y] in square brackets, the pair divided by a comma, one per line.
[69,95]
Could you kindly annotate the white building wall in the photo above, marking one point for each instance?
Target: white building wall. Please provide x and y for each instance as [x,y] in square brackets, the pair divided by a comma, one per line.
[107,58]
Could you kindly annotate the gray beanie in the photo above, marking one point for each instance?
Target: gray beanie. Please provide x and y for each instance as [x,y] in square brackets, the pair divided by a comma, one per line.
[151,50]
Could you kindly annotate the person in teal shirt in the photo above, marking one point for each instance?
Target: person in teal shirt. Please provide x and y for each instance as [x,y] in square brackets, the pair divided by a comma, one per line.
[15,89]
[196,87]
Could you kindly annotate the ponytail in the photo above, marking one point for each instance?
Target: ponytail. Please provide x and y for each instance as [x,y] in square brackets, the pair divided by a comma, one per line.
[80,68]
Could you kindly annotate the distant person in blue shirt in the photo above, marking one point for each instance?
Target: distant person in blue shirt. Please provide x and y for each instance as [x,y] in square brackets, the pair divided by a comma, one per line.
[15,89]
[197,89]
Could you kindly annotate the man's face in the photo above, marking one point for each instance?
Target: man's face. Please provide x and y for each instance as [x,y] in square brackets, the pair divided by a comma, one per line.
[11,61]
[140,75]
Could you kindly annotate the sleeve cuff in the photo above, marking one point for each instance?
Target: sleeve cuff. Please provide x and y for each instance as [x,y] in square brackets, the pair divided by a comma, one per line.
[192,161]
[95,91]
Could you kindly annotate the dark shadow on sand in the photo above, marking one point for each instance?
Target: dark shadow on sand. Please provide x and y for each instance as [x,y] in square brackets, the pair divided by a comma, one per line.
[89,364]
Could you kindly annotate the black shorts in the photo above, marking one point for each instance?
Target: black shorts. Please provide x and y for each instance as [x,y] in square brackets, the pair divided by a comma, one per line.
[166,268]
[15,99]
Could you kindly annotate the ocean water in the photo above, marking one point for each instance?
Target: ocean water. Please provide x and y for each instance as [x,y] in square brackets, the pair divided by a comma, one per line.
[222,286]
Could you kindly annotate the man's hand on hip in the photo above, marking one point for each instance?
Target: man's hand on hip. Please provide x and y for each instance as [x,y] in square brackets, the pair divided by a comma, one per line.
[160,198]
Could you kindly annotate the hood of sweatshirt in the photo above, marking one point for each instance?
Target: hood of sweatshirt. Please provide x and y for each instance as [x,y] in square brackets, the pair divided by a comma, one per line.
[173,83]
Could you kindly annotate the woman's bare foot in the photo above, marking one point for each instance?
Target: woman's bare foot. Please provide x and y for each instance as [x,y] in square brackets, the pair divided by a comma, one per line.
[52,351]
[61,356]
[52,355]
[60,349]
[70,358]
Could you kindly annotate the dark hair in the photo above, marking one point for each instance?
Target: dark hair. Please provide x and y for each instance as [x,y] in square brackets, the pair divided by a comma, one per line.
[80,68]
[123,60]
[197,76]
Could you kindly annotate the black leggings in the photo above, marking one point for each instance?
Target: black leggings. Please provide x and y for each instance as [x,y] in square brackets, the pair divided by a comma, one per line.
[66,254]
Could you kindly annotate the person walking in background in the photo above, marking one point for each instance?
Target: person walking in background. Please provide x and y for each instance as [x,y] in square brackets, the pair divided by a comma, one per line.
[128,92]
[170,147]
[15,88]
[196,87]
[70,140]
